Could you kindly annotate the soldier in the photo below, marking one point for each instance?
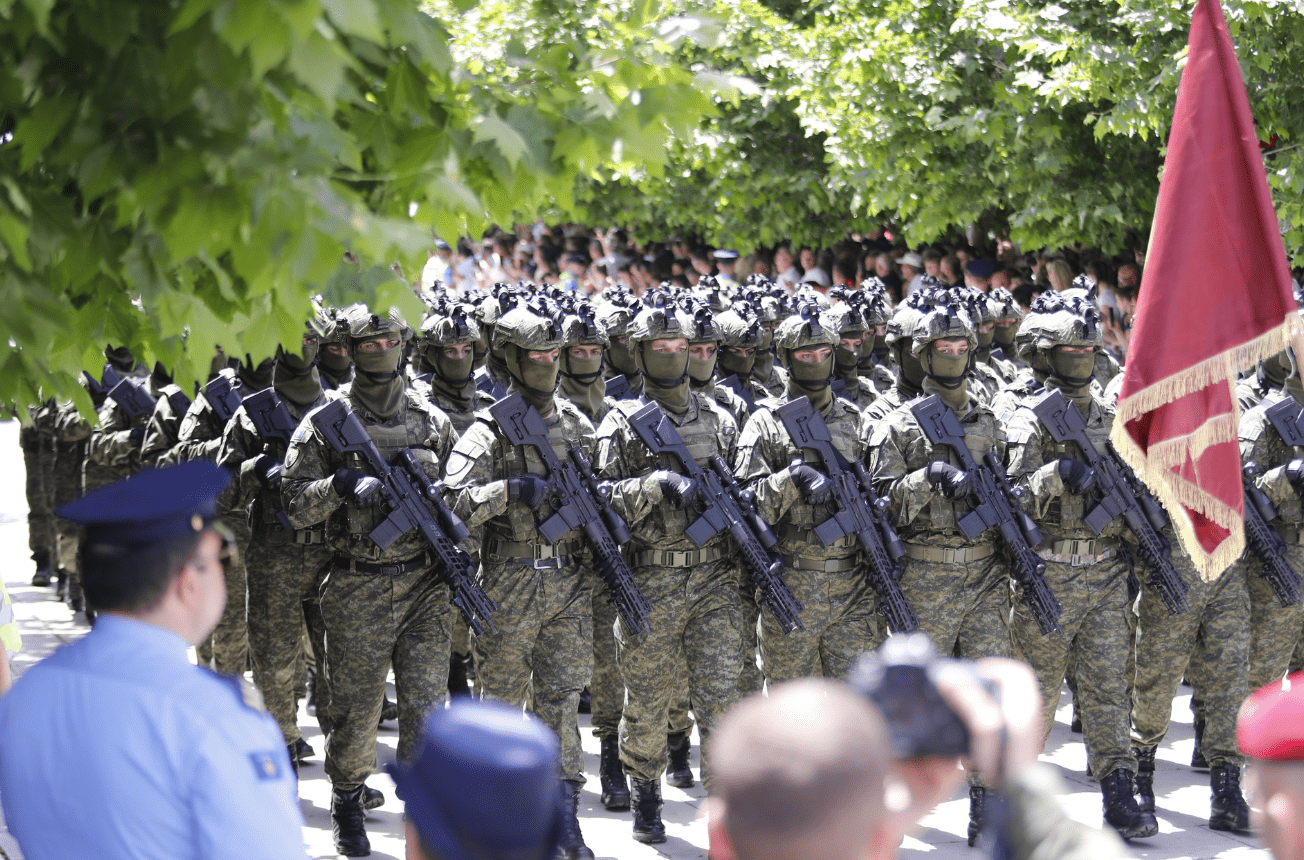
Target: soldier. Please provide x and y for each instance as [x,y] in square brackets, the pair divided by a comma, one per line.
[999,353]
[335,367]
[381,608]
[771,310]
[37,441]
[1085,571]
[958,587]
[876,363]
[838,602]
[614,313]
[285,566]
[910,373]
[198,438]
[703,351]
[847,319]
[984,380]
[741,336]
[445,356]
[114,450]
[693,591]
[542,652]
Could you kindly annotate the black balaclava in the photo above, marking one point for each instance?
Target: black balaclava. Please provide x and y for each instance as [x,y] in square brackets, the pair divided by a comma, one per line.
[120,358]
[255,378]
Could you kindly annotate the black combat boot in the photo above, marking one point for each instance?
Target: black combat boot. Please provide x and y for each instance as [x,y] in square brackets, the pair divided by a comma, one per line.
[457,685]
[1198,761]
[678,773]
[1145,778]
[388,711]
[647,811]
[372,798]
[571,842]
[615,789]
[302,750]
[294,759]
[1228,810]
[1121,811]
[347,823]
[977,801]
[42,577]
[311,705]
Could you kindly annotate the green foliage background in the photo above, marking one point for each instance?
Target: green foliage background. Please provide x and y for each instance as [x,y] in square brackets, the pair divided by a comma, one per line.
[212,159]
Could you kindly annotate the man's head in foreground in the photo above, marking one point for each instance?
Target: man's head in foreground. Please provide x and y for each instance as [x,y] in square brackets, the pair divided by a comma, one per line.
[1270,731]
[799,775]
[483,786]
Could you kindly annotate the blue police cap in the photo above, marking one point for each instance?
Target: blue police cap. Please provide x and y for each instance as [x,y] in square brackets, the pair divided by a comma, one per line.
[151,505]
[980,268]
[485,783]
[724,255]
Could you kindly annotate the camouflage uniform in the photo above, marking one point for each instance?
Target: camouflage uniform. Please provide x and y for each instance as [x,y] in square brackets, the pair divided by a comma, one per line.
[37,442]
[285,571]
[199,437]
[381,608]
[70,442]
[1274,630]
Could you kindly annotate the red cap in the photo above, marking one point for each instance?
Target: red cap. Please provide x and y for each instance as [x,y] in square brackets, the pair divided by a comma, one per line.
[1271,722]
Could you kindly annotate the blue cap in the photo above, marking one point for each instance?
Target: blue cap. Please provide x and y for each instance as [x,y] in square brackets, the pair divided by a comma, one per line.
[980,268]
[724,255]
[151,505]
[485,783]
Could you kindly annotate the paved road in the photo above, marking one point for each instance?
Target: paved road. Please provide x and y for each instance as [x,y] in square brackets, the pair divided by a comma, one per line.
[1183,795]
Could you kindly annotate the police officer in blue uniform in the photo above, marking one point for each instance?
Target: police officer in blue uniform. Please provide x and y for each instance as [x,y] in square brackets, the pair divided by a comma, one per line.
[157,758]
[477,759]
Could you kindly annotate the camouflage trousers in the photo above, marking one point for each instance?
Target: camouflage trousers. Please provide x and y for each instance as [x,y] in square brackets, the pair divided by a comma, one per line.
[695,623]
[964,608]
[282,575]
[1217,629]
[1095,632]
[38,460]
[542,654]
[750,679]
[373,622]
[227,648]
[607,690]
[1275,630]
[838,614]
[66,487]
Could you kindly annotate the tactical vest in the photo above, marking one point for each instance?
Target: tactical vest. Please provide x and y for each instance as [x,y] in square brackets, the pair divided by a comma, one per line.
[942,515]
[520,523]
[389,440]
[796,531]
[1065,513]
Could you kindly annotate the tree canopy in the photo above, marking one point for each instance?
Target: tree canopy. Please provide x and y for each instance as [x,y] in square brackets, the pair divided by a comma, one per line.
[210,160]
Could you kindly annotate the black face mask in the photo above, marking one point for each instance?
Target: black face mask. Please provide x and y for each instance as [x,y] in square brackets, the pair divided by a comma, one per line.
[121,358]
[256,378]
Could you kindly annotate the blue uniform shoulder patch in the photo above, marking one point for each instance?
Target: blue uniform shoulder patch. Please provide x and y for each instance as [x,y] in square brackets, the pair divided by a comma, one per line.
[266,764]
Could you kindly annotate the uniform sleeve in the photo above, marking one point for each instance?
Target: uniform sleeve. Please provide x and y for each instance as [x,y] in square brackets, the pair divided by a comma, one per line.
[239,444]
[69,425]
[160,432]
[474,488]
[889,446]
[199,437]
[111,440]
[306,487]
[633,494]
[1026,465]
[244,796]
[762,465]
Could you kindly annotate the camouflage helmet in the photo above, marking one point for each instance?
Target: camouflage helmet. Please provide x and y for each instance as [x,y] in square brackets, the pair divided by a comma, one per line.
[974,302]
[809,326]
[361,324]
[661,318]
[528,329]
[583,328]
[704,325]
[1002,305]
[1059,320]
[739,328]
[874,301]
[949,318]
[330,324]
[450,323]
[908,314]
[846,317]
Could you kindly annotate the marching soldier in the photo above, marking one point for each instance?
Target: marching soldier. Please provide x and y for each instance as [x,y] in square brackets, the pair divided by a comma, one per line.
[693,591]
[542,652]
[381,608]
[847,318]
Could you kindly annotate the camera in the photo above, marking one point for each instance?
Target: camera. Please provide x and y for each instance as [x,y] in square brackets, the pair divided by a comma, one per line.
[900,679]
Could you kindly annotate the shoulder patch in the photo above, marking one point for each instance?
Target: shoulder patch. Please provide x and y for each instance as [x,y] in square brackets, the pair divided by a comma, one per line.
[244,690]
[267,765]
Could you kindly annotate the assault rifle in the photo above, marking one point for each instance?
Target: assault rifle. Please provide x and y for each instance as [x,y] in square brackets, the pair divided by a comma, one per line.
[998,504]
[132,397]
[734,384]
[618,387]
[856,509]
[415,502]
[578,504]
[1287,419]
[273,422]
[1264,540]
[100,388]
[486,383]
[1116,495]
[221,397]
[726,506]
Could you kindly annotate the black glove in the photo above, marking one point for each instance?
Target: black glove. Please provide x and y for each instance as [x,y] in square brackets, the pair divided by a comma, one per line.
[529,488]
[137,436]
[1295,473]
[268,471]
[1077,476]
[682,492]
[362,490]
[814,487]
[951,481]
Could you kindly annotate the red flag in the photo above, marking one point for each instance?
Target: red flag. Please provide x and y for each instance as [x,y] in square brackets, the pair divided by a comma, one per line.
[1215,299]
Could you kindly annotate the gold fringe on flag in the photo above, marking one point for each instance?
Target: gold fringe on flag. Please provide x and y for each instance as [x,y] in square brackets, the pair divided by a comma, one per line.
[1156,467]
